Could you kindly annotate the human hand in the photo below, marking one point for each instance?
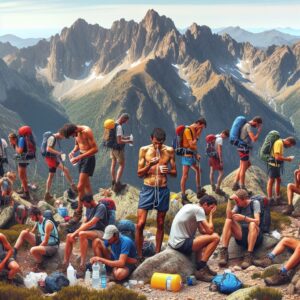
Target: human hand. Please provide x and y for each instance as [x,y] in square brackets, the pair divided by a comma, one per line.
[71,155]
[237,217]
[75,160]
[95,259]
[290,158]
[213,210]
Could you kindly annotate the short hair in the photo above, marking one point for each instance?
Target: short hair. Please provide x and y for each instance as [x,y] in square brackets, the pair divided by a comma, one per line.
[124,116]
[34,211]
[159,134]
[226,132]
[257,119]
[242,194]
[67,130]
[87,198]
[201,121]
[291,140]
[12,135]
[210,200]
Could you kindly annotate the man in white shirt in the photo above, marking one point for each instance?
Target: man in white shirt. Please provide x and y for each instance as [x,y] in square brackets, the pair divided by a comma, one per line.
[3,157]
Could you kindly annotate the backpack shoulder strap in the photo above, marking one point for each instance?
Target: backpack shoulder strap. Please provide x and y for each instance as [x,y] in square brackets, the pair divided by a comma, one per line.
[54,226]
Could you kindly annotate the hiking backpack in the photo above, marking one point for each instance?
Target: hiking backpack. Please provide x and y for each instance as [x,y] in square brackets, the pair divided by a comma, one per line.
[177,143]
[227,283]
[48,215]
[111,210]
[235,132]
[211,150]
[110,137]
[55,282]
[30,145]
[267,146]
[44,152]
[127,227]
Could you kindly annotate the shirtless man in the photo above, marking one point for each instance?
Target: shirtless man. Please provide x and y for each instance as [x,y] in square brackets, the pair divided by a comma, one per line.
[153,167]
[86,145]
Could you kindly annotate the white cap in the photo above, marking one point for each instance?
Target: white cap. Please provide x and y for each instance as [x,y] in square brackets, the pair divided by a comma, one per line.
[109,231]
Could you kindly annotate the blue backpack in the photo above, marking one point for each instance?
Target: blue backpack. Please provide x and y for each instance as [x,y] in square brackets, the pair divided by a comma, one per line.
[227,283]
[44,152]
[55,282]
[235,132]
[127,227]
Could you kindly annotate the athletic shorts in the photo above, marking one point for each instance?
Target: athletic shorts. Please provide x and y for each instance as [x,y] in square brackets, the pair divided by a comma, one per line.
[188,161]
[274,172]
[154,198]
[52,164]
[87,165]
[118,155]
[215,164]
[244,155]
[244,241]
[51,250]
[186,248]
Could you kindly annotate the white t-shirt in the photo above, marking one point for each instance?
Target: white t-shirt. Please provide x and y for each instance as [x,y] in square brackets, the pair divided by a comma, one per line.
[185,224]
[4,146]
[219,140]
[119,130]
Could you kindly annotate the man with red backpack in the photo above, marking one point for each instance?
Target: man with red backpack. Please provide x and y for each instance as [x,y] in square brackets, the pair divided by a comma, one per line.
[214,152]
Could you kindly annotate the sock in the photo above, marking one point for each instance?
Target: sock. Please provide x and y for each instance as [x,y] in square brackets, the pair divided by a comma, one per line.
[201,264]
[271,256]
[283,270]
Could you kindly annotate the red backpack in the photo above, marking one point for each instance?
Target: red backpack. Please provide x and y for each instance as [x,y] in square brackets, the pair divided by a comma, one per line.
[210,146]
[30,145]
[178,141]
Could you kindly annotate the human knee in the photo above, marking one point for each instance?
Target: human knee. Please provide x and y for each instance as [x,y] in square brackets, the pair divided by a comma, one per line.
[216,237]
[96,243]
[119,274]
[252,226]
[82,235]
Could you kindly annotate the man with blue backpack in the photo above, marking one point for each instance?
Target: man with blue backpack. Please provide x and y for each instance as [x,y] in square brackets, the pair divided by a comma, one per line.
[54,161]
[242,136]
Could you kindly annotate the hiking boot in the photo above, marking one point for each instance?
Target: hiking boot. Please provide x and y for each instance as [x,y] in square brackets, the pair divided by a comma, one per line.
[213,187]
[247,262]
[49,198]
[201,193]
[223,260]
[185,200]
[235,186]
[220,192]
[263,262]
[20,191]
[204,274]
[25,196]
[277,279]
[76,217]
[279,200]
[118,187]
[288,211]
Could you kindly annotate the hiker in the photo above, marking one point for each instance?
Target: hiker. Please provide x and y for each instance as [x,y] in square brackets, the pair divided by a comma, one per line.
[245,139]
[45,243]
[215,153]
[3,155]
[92,227]
[191,159]
[19,145]
[291,189]
[121,256]
[6,187]
[117,153]
[6,258]
[153,167]
[275,166]
[282,276]
[84,143]
[243,223]
[53,159]
[182,236]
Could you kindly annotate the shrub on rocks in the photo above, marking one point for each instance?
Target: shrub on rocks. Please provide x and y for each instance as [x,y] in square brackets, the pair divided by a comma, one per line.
[13,232]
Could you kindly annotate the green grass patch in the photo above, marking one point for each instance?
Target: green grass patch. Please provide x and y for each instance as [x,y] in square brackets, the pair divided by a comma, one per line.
[13,232]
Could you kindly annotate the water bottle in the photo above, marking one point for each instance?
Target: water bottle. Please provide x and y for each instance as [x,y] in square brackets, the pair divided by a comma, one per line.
[103,276]
[71,274]
[96,276]
[87,277]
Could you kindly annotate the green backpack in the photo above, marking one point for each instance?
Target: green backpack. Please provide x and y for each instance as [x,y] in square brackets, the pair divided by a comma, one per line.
[266,148]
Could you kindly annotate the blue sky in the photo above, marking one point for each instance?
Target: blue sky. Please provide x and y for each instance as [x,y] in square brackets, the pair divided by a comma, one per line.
[42,18]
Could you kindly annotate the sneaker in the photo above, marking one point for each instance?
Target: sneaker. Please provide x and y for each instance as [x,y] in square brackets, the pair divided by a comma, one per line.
[235,186]
[213,187]
[220,192]
[201,193]
[288,211]
[25,196]
[247,262]
[263,262]
[204,274]
[223,260]
[277,279]
[185,200]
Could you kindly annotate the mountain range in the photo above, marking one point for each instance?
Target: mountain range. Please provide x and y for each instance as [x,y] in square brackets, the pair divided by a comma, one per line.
[161,77]
[17,41]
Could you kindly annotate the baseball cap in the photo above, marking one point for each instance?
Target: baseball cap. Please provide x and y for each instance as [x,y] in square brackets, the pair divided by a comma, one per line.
[109,231]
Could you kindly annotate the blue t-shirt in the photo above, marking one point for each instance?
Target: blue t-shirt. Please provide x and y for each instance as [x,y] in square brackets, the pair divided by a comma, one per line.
[21,142]
[124,246]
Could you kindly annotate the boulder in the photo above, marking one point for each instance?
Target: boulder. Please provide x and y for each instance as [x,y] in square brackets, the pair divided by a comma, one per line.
[6,215]
[167,261]
[43,205]
[16,198]
[247,293]
[296,203]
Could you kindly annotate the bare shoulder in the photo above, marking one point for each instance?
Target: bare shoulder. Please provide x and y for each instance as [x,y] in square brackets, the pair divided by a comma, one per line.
[2,237]
[145,148]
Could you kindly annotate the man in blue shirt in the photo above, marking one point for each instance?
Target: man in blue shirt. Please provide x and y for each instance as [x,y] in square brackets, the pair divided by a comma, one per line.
[121,256]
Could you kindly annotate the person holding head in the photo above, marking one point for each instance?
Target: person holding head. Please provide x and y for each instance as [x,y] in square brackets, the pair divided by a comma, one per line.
[46,243]
[156,162]
[191,159]
[291,189]
[87,147]
[118,155]
[248,137]
[184,227]
[242,222]
[275,166]
[92,227]
[122,255]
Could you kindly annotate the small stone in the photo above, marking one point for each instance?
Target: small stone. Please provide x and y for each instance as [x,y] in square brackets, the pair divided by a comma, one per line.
[291,289]
[252,268]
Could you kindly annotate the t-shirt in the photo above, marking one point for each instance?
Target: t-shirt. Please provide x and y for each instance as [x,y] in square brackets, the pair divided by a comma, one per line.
[245,133]
[187,136]
[185,224]
[124,246]
[219,140]
[277,149]
[98,212]
[2,149]
[51,141]
[119,130]
[247,211]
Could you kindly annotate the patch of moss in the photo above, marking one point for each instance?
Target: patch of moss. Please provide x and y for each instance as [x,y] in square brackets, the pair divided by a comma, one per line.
[278,220]
[13,232]
[11,292]
[256,275]
[219,224]
[268,272]
[263,293]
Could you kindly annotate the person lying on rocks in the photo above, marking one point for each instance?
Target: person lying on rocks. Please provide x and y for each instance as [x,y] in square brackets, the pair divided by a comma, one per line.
[92,227]
[6,260]
[242,222]
[282,276]
[6,188]
[45,243]
[182,236]
[117,252]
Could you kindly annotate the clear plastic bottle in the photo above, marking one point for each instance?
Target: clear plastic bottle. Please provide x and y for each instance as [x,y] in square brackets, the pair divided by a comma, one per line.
[87,277]
[96,276]
[103,276]
[71,274]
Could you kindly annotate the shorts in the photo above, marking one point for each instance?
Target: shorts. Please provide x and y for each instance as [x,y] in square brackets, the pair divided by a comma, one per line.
[274,172]
[87,165]
[98,231]
[244,155]
[23,165]
[186,248]
[148,201]
[51,250]
[215,164]
[118,155]
[52,164]
[244,241]
[188,161]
